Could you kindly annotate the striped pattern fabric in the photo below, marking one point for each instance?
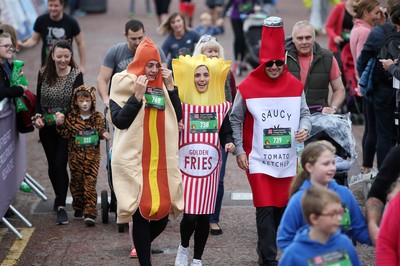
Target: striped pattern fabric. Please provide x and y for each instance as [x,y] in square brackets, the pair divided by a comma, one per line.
[200,192]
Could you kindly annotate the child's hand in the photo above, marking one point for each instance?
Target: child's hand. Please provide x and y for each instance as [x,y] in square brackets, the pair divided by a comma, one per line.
[60,118]
[107,135]
[230,147]
[219,22]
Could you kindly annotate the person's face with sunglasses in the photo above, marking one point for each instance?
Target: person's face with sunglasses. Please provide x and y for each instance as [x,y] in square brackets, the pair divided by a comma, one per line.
[274,68]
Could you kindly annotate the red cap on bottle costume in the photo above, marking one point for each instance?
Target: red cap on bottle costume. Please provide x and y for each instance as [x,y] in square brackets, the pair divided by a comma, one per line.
[272,40]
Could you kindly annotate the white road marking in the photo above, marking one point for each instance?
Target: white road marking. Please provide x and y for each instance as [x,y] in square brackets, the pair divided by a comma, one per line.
[241,196]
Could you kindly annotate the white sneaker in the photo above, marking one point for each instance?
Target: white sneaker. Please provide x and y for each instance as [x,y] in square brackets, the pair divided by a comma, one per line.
[182,256]
[196,263]
[370,177]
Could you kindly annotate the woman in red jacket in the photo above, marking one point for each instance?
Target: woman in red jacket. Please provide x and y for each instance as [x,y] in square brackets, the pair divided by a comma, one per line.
[338,27]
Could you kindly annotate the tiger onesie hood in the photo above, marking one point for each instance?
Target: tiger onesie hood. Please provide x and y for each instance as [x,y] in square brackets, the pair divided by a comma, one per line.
[90,90]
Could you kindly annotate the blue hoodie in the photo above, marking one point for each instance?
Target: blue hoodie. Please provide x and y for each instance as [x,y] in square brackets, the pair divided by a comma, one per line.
[303,249]
[293,218]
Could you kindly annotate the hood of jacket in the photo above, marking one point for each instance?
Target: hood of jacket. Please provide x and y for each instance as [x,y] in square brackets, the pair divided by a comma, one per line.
[307,184]
[303,237]
[91,90]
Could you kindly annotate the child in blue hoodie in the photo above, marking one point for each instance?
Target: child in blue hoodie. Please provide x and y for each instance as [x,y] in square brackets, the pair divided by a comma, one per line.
[320,242]
[318,163]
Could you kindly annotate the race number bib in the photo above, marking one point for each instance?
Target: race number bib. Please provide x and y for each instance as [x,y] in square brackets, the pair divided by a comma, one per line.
[334,258]
[277,138]
[87,138]
[203,123]
[155,98]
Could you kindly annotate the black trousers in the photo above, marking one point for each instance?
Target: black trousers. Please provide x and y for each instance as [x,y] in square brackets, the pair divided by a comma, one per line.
[267,220]
[144,232]
[56,150]
[200,225]
[239,45]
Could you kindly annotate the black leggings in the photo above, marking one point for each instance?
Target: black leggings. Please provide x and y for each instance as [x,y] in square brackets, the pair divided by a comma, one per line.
[200,225]
[369,137]
[239,45]
[144,232]
[56,150]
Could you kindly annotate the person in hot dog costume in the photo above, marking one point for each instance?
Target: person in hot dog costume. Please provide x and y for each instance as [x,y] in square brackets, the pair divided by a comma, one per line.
[269,115]
[206,127]
[145,109]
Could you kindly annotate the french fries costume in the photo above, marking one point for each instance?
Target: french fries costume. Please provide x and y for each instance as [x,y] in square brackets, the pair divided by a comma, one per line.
[199,142]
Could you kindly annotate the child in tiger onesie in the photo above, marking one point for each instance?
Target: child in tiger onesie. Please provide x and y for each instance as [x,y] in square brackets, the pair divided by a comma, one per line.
[83,127]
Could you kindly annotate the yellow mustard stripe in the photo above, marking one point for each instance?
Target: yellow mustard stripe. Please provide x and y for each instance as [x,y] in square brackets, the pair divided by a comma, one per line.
[18,247]
[153,167]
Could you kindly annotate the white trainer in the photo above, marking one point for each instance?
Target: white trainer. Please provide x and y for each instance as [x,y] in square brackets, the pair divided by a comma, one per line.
[182,256]
[196,263]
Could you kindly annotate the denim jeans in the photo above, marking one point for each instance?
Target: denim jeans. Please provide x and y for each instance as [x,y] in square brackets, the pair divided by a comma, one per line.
[220,194]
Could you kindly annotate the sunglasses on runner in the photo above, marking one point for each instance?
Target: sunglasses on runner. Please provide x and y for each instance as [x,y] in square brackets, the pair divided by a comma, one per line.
[278,63]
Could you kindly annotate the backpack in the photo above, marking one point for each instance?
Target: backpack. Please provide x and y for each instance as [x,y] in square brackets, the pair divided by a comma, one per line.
[389,49]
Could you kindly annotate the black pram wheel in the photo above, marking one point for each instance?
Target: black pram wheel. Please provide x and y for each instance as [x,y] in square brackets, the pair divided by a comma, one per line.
[104,206]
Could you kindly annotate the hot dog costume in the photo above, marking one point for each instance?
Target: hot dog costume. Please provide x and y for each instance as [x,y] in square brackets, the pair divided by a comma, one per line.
[204,132]
[145,154]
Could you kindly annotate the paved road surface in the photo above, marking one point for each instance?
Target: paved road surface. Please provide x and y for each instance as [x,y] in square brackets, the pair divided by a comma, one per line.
[74,244]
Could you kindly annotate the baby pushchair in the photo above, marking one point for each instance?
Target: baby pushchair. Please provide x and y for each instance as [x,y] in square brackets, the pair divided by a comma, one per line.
[109,206]
[252,29]
[336,128]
